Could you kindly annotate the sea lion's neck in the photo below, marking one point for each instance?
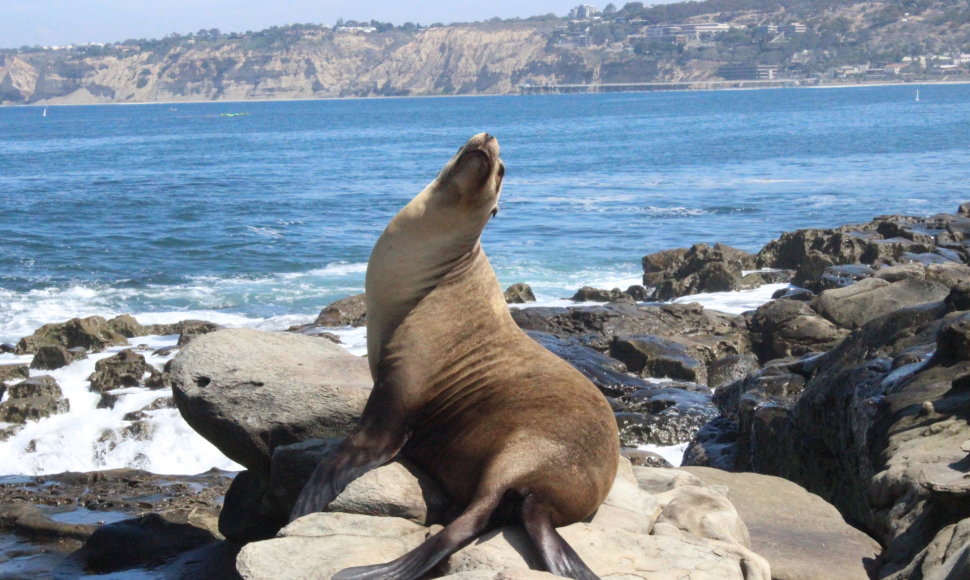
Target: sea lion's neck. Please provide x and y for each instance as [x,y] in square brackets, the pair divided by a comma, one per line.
[409,262]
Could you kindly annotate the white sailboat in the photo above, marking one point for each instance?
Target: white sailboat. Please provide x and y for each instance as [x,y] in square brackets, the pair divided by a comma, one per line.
[917,95]
[44,113]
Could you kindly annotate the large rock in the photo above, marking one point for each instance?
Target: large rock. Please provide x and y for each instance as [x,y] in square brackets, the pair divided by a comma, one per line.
[616,542]
[608,374]
[854,305]
[249,391]
[701,268]
[784,328]
[519,294]
[350,311]
[125,369]
[663,415]
[658,357]
[55,356]
[879,428]
[33,399]
[93,333]
[801,535]
[596,326]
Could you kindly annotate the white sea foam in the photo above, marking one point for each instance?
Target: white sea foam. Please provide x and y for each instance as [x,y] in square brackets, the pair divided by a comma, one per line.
[672,453]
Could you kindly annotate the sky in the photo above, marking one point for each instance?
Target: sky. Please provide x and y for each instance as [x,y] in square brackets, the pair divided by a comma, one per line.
[63,22]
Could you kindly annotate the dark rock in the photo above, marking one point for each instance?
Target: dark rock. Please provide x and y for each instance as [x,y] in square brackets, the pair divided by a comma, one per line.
[638,293]
[901,272]
[762,277]
[519,294]
[7,347]
[127,326]
[663,416]
[701,268]
[854,305]
[793,293]
[33,398]
[843,275]
[351,311]
[731,368]
[125,369]
[590,294]
[160,403]
[248,514]
[784,328]
[957,299]
[147,541]
[811,268]
[596,326]
[93,333]
[641,458]
[654,356]
[13,372]
[658,265]
[55,356]
[608,374]
[190,329]
[714,445]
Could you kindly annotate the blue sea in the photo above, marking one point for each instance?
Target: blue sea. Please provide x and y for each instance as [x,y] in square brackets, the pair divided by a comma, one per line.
[270,214]
[259,214]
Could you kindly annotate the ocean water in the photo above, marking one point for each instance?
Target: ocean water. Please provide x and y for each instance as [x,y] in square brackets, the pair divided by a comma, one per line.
[260,219]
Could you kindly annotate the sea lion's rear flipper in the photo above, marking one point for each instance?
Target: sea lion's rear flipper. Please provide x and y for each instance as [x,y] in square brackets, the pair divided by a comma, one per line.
[558,556]
[413,565]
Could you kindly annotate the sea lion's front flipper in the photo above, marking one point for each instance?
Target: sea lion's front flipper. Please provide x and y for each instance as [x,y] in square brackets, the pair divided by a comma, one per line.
[416,563]
[378,439]
[558,556]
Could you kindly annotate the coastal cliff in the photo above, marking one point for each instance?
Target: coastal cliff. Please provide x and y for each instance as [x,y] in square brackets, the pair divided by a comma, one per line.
[712,44]
[433,61]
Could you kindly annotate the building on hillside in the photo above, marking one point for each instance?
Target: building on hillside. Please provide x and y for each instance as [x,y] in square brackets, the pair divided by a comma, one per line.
[583,12]
[748,71]
[702,31]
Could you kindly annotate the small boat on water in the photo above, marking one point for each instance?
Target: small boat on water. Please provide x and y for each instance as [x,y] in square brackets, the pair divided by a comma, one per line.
[44,114]
[233,114]
[917,95]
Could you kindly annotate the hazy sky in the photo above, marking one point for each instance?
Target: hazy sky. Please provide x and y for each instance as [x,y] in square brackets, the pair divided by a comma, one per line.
[61,22]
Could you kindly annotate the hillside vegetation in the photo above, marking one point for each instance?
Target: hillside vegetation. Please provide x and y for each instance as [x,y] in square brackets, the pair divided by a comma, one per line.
[792,41]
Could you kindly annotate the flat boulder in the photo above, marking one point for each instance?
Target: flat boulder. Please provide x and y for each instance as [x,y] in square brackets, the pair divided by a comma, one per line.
[249,391]
[33,399]
[853,306]
[94,333]
[800,534]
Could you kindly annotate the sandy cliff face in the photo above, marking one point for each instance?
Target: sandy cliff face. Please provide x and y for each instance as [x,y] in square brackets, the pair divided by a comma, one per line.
[436,61]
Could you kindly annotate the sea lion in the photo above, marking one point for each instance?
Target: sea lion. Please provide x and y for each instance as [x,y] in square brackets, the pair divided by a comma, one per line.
[507,427]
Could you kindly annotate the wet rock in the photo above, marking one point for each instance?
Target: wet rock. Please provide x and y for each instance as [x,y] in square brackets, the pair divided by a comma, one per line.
[853,306]
[656,266]
[274,380]
[147,541]
[731,368]
[784,328]
[519,294]
[842,275]
[7,347]
[190,329]
[608,374]
[641,458]
[590,294]
[759,278]
[93,333]
[596,326]
[32,399]
[125,369]
[663,416]
[160,403]
[702,268]
[14,372]
[654,356]
[715,445]
[350,311]
[55,356]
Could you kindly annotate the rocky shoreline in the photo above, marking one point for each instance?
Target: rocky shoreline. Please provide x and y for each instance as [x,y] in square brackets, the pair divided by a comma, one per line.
[849,391]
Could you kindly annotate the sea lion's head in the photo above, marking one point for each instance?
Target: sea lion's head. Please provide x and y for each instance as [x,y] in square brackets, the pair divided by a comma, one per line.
[472,181]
